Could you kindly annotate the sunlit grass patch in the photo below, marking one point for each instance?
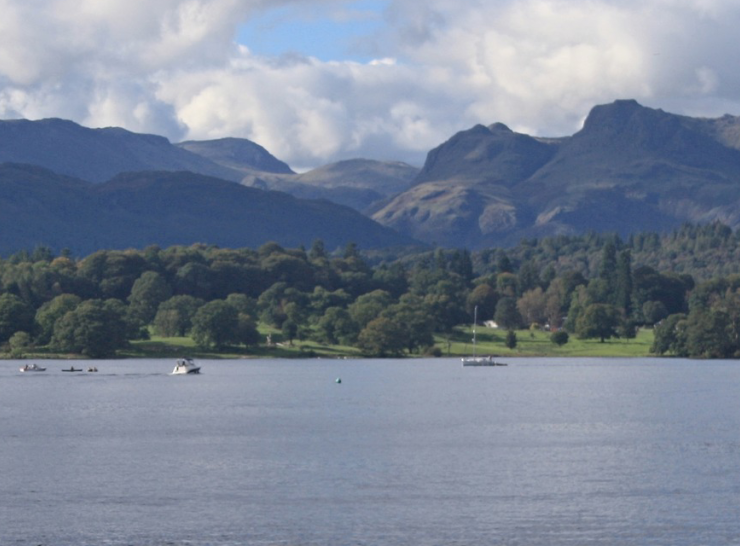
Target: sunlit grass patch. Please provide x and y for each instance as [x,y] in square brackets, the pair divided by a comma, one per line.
[538,343]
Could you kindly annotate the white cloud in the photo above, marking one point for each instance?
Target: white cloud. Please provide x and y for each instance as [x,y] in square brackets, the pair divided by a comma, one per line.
[172,67]
[539,65]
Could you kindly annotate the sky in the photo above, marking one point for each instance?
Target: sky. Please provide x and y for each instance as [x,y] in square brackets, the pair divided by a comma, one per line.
[318,81]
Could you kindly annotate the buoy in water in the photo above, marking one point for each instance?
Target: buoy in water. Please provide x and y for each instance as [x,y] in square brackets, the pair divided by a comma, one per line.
[338,380]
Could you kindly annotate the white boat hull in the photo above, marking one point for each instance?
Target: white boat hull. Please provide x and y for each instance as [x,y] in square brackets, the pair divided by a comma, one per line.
[186,366]
[481,361]
[185,371]
[476,360]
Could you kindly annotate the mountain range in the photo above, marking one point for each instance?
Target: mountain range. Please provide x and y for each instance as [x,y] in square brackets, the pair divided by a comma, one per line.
[138,209]
[630,168]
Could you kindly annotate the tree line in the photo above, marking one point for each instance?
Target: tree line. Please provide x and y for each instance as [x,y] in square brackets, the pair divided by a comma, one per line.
[98,304]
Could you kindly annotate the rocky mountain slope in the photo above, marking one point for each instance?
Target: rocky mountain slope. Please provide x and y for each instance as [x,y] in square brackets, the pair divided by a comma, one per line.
[629,169]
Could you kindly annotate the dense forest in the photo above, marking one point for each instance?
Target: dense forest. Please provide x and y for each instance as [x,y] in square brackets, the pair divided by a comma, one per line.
[685,284]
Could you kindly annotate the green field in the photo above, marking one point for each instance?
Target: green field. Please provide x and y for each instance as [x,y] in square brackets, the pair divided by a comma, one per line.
[537,343]
[459,343]
[529,343]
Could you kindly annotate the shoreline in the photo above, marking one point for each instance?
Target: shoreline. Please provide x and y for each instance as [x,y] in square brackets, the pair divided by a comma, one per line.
[456,345]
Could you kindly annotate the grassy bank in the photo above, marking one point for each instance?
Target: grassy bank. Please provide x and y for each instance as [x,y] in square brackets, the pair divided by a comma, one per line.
[537,343]
[529,343]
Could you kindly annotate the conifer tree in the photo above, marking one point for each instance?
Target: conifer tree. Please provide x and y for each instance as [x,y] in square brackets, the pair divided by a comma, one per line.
[623,288]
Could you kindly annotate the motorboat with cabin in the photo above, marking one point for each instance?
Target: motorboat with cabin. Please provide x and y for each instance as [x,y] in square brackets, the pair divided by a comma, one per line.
[185,366]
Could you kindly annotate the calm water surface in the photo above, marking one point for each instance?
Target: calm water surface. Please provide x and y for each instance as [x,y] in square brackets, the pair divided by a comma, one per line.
[412,452]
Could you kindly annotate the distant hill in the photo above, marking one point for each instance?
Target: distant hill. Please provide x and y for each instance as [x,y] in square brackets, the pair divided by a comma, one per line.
[629,169]
[135,210]
[96,155]
[238,154]
[357,183]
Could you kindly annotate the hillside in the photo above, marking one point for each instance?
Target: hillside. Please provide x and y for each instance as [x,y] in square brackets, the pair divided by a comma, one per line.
[167,208]
[629,169]
[96,155]
[357,183]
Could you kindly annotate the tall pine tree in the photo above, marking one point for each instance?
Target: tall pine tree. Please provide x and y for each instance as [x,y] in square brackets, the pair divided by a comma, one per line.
[623,288]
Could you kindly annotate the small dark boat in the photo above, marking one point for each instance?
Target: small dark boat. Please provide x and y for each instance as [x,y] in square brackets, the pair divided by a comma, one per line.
[72,369]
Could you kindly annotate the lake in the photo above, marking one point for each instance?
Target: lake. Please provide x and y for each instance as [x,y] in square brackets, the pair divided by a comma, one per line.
[401,452]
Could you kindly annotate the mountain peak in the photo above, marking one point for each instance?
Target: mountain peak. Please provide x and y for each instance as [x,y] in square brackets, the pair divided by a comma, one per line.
[614,115]
[494,153]
[499,127]
[239,154]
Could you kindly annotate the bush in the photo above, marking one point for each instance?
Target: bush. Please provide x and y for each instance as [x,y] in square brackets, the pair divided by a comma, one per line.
[559,338]
[433,351]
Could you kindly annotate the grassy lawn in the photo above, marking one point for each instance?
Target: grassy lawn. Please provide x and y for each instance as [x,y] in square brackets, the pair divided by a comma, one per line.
[529,343]
[173,347]
[459,343]
[537,343]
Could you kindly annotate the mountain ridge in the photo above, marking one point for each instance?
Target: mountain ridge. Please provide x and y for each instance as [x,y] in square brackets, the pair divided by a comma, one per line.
[96,155]
[630,168]
[357,183]
[168,208]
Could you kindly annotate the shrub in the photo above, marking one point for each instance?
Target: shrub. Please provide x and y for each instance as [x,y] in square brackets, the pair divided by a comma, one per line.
[559,338]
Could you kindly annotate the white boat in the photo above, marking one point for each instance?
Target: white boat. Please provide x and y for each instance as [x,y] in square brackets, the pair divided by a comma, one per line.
[481,361]
[476,360]
[185,366]
[32,368]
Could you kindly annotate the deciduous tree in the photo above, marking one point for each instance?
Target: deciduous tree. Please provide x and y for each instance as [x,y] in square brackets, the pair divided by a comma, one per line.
[215,325]
[598,320]
[15,315]
[381,337]
[52,311]
[175,316]
[147,293]
[93,329]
